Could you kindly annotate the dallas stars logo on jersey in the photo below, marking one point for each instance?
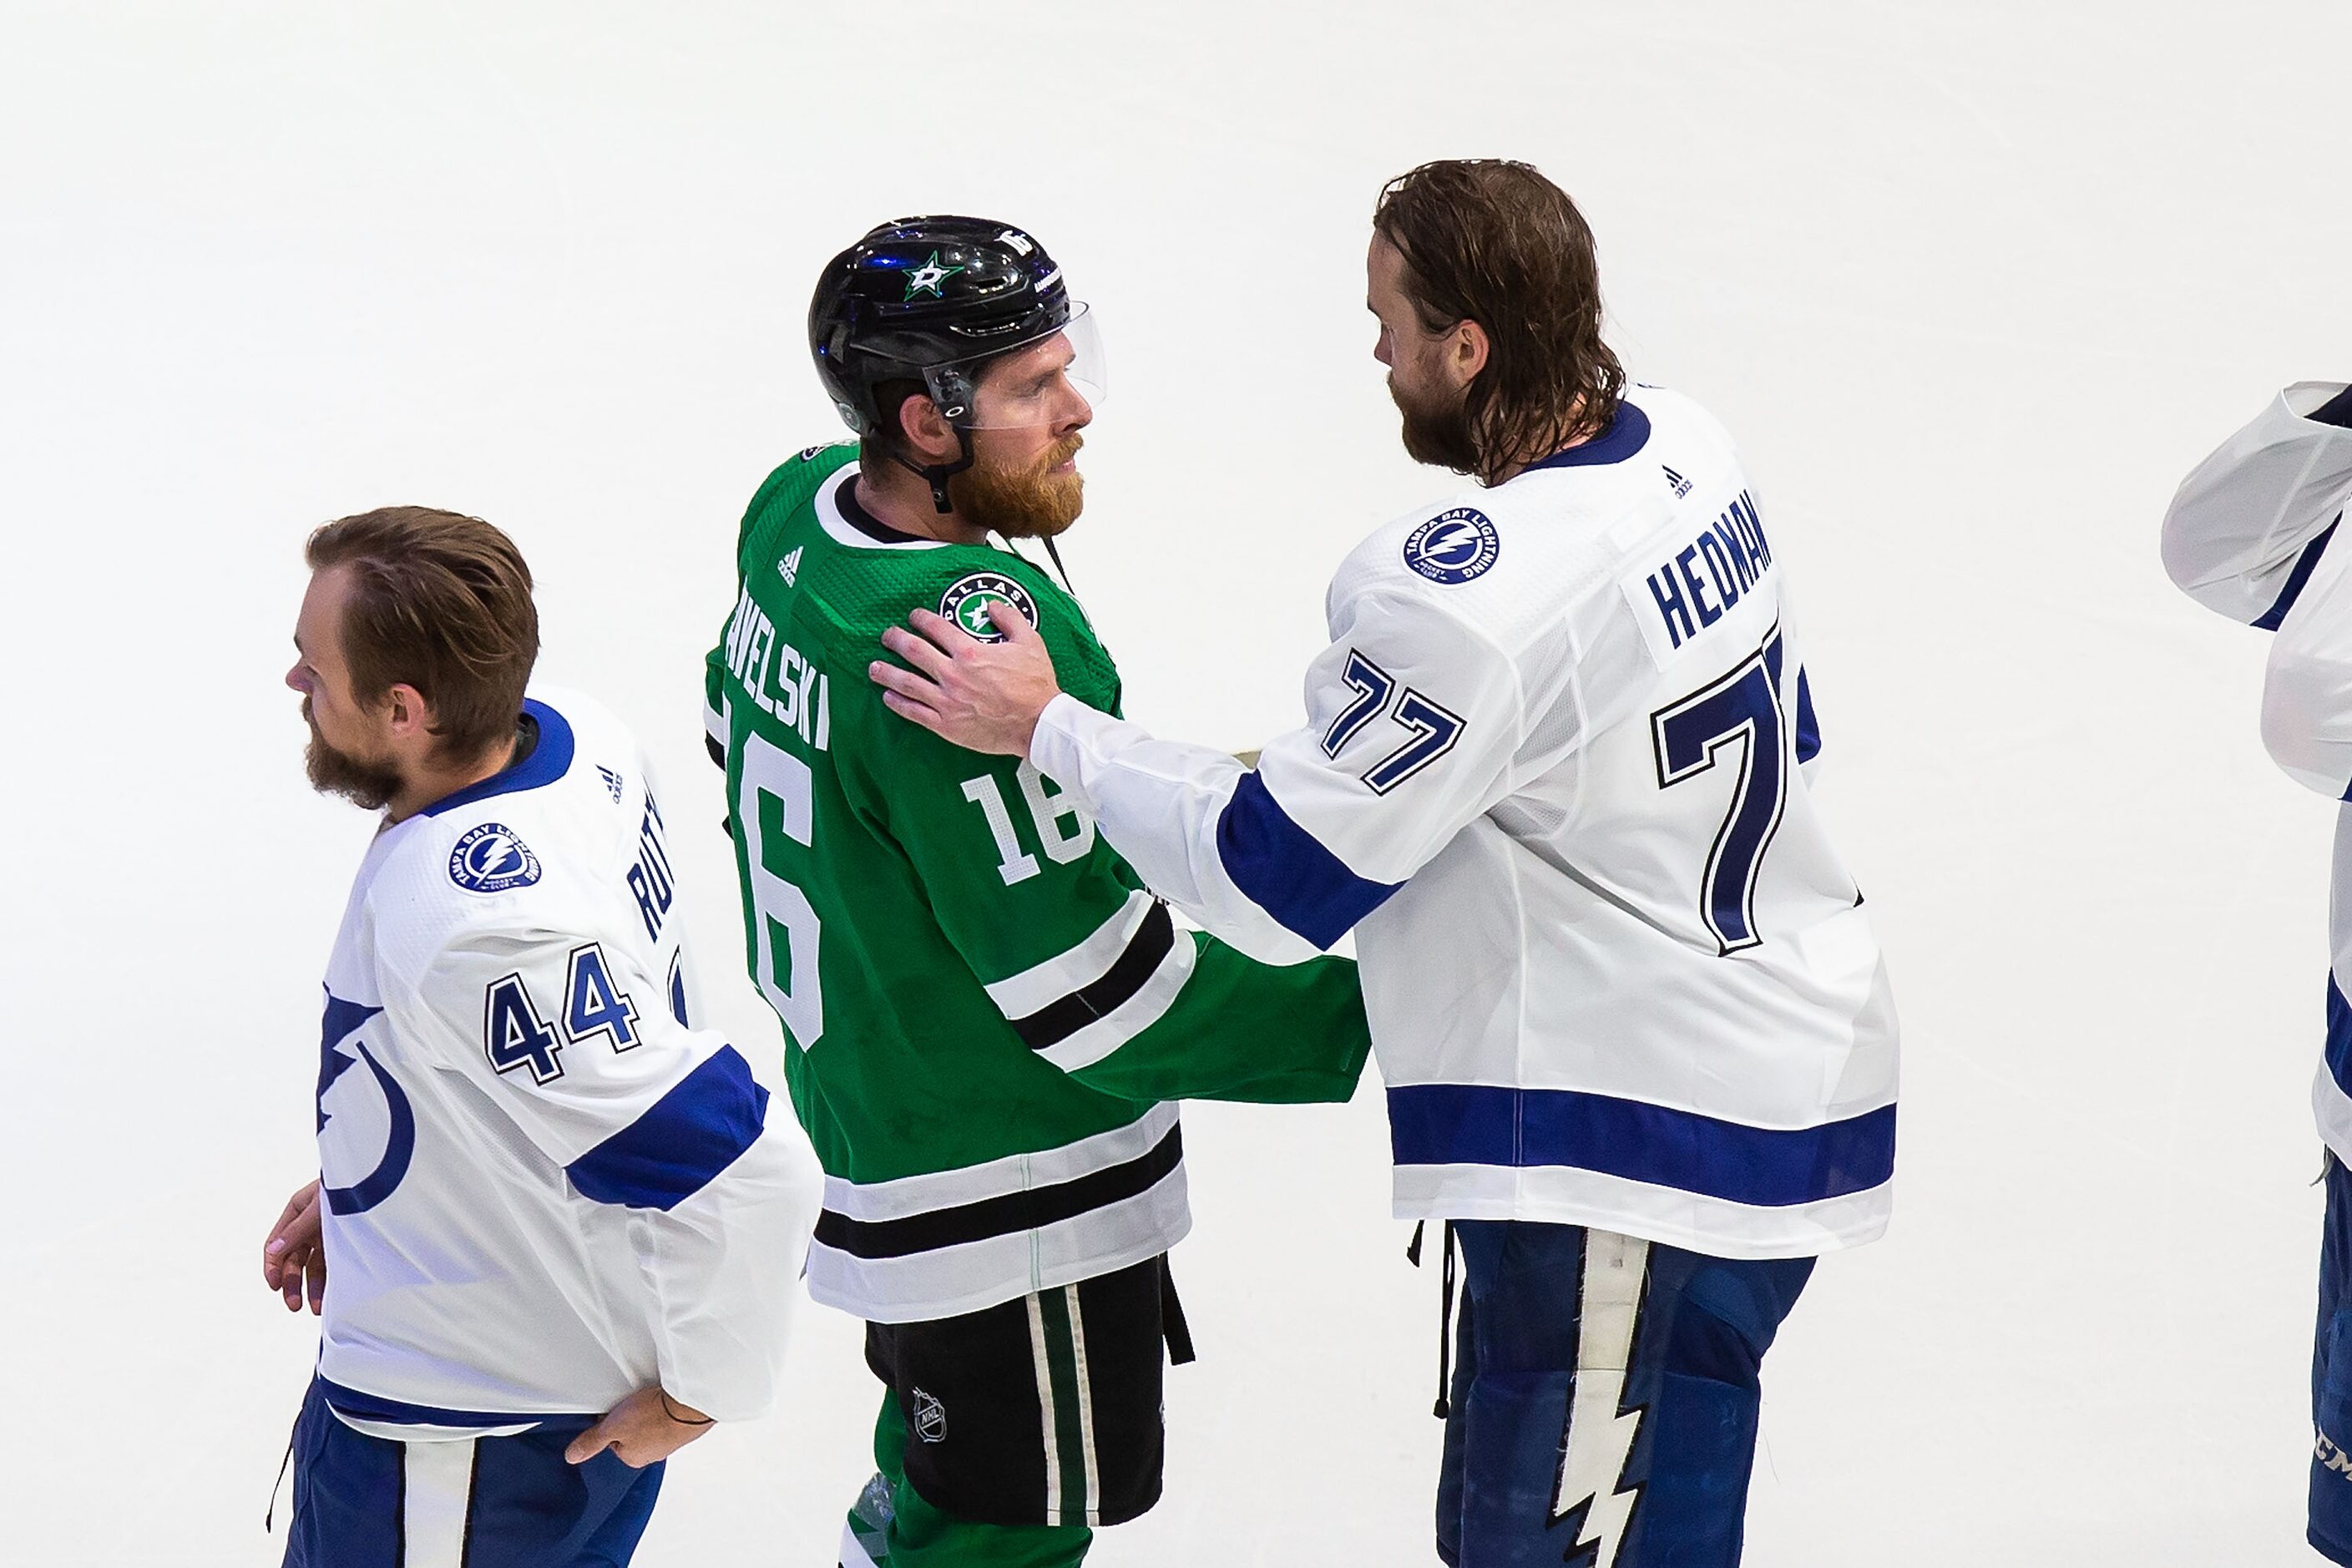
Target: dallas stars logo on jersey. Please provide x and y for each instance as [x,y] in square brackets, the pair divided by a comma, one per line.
[967,602]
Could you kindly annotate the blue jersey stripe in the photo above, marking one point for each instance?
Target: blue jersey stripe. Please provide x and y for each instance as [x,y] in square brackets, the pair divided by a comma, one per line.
[688,1136]
[1287,872]
[1484,1124]
[2339,1035]
[361,1406]
[2303,564]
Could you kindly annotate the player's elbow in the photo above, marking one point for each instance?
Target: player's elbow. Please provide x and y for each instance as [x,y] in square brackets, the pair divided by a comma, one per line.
[2191,560]
[2308,720]
[2184,562]
[789,1185]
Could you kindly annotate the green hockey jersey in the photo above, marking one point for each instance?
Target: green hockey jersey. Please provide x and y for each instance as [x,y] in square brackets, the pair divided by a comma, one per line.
[986,1012]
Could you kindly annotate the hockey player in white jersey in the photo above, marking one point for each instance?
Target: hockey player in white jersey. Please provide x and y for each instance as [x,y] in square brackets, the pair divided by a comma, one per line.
[2251,534]
[560,1229]
[1636,1033]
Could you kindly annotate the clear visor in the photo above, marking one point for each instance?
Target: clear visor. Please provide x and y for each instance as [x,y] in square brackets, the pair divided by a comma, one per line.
[1054,381]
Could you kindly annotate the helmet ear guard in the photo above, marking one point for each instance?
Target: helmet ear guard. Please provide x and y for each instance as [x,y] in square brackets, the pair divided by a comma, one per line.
[952,392]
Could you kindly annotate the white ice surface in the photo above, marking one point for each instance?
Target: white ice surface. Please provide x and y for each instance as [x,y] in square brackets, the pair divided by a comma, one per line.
[1974,284]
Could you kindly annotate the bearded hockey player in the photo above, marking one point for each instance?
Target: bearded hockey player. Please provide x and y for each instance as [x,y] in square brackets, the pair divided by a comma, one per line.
[2251,534]
[986,1010]
[1637,1038]
[560,1225]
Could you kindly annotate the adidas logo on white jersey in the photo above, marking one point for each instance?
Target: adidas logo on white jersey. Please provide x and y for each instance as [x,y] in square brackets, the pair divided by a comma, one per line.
[1682,485]
[789,567]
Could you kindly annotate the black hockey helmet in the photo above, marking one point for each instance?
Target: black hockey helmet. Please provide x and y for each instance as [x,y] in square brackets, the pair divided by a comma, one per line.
[931,301]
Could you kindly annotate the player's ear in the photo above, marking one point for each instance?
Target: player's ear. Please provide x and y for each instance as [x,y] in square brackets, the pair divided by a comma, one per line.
[1465,355]
[927,430]
[408,714]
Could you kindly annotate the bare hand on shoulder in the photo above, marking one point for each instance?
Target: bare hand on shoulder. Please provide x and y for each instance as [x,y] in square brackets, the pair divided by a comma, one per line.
[294,1254]
[984,697]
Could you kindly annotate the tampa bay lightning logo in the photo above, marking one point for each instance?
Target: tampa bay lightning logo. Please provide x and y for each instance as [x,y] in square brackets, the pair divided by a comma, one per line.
[491,858]
[1454,546]
[358,1113]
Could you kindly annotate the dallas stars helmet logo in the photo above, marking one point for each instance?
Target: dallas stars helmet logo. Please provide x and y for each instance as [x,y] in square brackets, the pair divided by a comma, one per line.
[967,601]
[928,278]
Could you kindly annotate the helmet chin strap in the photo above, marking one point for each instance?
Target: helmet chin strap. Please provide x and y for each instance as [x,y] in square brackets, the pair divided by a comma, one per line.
[937,474]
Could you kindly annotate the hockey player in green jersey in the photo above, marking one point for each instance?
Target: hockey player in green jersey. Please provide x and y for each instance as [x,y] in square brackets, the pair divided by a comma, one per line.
[987,1014]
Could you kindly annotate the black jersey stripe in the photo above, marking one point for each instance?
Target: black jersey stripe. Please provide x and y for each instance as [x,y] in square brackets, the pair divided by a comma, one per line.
[1005,1214]
[1059,1020]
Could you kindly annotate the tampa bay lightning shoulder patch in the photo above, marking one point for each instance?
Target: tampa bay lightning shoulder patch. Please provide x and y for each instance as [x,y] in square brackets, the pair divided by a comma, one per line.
[1454,546]
[967,600]
[491,858]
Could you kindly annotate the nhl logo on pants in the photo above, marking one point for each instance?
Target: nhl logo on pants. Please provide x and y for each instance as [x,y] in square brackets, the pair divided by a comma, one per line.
[930,1418]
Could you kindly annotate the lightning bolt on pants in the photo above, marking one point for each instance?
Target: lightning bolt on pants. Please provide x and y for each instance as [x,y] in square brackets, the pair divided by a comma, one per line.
[1605,1398]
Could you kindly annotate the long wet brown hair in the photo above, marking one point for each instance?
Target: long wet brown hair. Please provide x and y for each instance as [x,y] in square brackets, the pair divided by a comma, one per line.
[1492,241]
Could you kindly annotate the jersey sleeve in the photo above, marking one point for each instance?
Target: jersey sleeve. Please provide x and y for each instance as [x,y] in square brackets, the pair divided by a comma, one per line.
[1087,967]
[1413,718]
[2249,524]
[714,711]
[577,1048]
[2307,682]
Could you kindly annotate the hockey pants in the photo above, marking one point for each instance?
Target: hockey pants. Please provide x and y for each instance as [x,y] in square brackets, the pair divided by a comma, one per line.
[1604,1399]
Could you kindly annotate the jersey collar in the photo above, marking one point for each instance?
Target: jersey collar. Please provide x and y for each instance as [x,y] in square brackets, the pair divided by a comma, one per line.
[853,513]
[1628,433]
[827,503]
[548,760]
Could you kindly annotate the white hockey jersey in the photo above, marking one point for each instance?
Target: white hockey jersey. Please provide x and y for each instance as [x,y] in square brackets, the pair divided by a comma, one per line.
[2248,534]
[1616,975]
[543,1188]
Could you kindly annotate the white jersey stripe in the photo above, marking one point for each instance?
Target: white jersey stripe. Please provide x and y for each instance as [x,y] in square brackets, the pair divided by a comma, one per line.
[923,1194]
[1035,988]
[955,1280]
[1131,1017]
[1560,1195]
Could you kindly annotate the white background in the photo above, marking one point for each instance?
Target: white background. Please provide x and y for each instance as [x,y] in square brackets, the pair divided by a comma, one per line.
[1973,284]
